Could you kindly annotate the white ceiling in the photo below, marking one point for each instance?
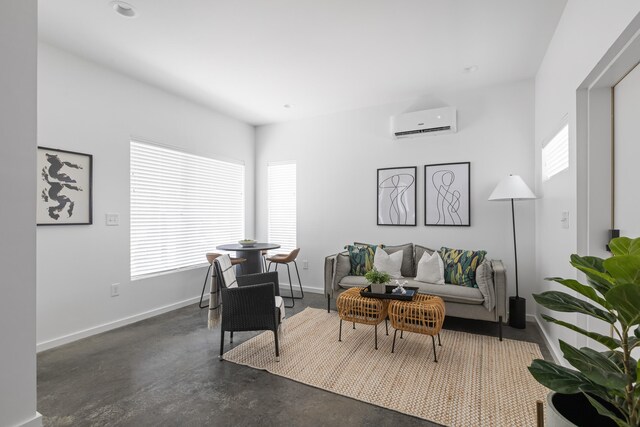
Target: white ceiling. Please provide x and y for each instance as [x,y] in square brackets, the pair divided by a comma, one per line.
[247,58]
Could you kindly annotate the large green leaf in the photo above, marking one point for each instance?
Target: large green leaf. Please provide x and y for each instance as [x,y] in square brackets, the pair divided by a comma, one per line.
[560,301]
[581,289]
[625,299]
[637,332]
[605,412]
[558,378]
[625,246]
[624,268]
[593,268]
[607,341]
[595,366]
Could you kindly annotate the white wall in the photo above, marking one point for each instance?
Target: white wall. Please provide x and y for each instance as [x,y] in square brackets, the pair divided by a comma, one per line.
[18,50]
[87,108]
[587,29]
[338,154]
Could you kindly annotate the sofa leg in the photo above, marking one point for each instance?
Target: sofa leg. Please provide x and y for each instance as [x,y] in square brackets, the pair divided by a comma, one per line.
[500,327]
[328,303]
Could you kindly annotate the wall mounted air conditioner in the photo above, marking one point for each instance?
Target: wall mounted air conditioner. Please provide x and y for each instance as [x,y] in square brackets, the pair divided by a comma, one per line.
[426,122]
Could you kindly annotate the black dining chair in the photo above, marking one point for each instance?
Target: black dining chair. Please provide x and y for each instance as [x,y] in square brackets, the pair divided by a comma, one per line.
[250,302]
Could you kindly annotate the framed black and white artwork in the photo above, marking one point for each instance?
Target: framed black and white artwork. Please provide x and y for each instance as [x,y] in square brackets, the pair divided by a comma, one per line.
[446,194]
[397,196]
[64,187]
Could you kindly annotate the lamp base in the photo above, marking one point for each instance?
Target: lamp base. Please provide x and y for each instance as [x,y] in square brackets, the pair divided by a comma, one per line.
[517,312]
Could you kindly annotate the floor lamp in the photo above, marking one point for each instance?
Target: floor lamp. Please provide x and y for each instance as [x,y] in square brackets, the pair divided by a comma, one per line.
[513,188]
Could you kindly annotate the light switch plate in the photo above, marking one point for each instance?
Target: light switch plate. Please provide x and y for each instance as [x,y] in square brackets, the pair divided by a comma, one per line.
[112,219]
[564,219]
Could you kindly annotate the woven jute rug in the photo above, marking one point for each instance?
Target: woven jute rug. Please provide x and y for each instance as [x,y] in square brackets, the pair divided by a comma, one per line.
[478,380]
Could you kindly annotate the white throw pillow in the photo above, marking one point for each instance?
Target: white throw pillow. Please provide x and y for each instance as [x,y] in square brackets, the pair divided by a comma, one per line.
[430,269]
[386,263]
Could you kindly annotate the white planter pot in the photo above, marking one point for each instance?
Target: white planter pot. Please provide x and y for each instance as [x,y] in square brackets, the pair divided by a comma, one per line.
[553,418]
[378,288]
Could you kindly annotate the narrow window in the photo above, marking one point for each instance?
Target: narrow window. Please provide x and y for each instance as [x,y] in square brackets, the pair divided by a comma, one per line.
[555,154]
[281,182]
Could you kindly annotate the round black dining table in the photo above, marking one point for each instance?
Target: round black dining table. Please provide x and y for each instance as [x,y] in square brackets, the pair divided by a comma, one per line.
[250,253]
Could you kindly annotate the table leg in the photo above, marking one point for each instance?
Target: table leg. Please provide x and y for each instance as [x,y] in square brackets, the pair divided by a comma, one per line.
[253,264]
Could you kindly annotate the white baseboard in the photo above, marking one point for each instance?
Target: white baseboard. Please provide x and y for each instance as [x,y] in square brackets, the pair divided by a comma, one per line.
[553,348]
[65,339]
[311,289]
[36,421]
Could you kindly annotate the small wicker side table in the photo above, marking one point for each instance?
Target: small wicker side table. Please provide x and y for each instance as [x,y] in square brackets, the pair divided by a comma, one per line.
[358,309]
[424,315]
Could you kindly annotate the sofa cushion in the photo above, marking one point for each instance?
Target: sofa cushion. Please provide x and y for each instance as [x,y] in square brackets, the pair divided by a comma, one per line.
[351,281]
[408,267]
[361,257]
[449,293]
[460,266]
[430,269]
[386,263]
[484,278]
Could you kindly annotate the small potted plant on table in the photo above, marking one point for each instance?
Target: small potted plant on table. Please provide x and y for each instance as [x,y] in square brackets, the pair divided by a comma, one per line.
[378,280]
[607,380]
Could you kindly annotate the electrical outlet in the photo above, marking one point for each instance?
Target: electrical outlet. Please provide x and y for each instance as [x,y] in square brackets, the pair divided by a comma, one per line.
[564,219]
[115,289]
[305,264]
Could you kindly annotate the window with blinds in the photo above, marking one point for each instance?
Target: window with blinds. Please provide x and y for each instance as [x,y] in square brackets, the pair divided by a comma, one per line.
[182,206]
[281,201]
[555,154]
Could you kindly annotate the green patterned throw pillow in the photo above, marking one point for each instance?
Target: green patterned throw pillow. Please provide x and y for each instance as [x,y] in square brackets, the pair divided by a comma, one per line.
[361,257]
[460,266]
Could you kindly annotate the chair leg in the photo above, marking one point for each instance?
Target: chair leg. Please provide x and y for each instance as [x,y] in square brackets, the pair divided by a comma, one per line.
[375,333]
[206,276]
[275,337]
[439,343]
[401,332]
[500,327]
[386,325]
[299,281]
[221,343]
[340,333]
[231,341]
[269,267]
[433,341]
[293,299]
[393,347]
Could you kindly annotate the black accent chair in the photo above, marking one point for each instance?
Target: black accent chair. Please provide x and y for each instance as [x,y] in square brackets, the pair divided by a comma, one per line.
[250,302]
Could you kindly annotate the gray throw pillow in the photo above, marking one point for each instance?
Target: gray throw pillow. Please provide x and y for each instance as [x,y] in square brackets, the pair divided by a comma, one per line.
[407,268]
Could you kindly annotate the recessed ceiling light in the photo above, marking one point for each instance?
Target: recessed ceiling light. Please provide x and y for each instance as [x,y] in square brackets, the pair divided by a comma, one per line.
[470,69]
[287,105]
[124,9]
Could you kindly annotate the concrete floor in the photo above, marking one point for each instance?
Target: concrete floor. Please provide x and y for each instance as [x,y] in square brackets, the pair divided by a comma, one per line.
[165,371]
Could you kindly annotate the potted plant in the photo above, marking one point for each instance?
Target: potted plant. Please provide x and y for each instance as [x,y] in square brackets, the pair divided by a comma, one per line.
[608,379]
[377,280]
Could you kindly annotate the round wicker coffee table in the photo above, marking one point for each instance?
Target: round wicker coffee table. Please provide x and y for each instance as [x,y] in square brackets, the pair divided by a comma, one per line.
[424,315]
[358,309]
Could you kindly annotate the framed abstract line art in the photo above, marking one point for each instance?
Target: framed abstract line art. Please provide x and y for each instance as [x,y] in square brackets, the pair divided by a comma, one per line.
[397,196]
[64,187]
[446,194]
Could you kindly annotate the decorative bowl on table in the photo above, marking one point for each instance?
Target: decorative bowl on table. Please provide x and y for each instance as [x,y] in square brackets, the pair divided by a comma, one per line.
[247,243]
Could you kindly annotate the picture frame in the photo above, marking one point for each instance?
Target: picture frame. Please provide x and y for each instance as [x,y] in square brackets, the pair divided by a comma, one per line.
[447,194]
[396,196]
[64,190]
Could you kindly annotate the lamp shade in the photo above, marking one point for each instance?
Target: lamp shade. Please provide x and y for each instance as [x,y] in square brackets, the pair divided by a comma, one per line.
[511,187]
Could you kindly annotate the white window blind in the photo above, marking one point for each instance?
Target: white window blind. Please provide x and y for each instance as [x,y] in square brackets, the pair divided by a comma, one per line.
[281,189]
[182,206]
[555,155]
